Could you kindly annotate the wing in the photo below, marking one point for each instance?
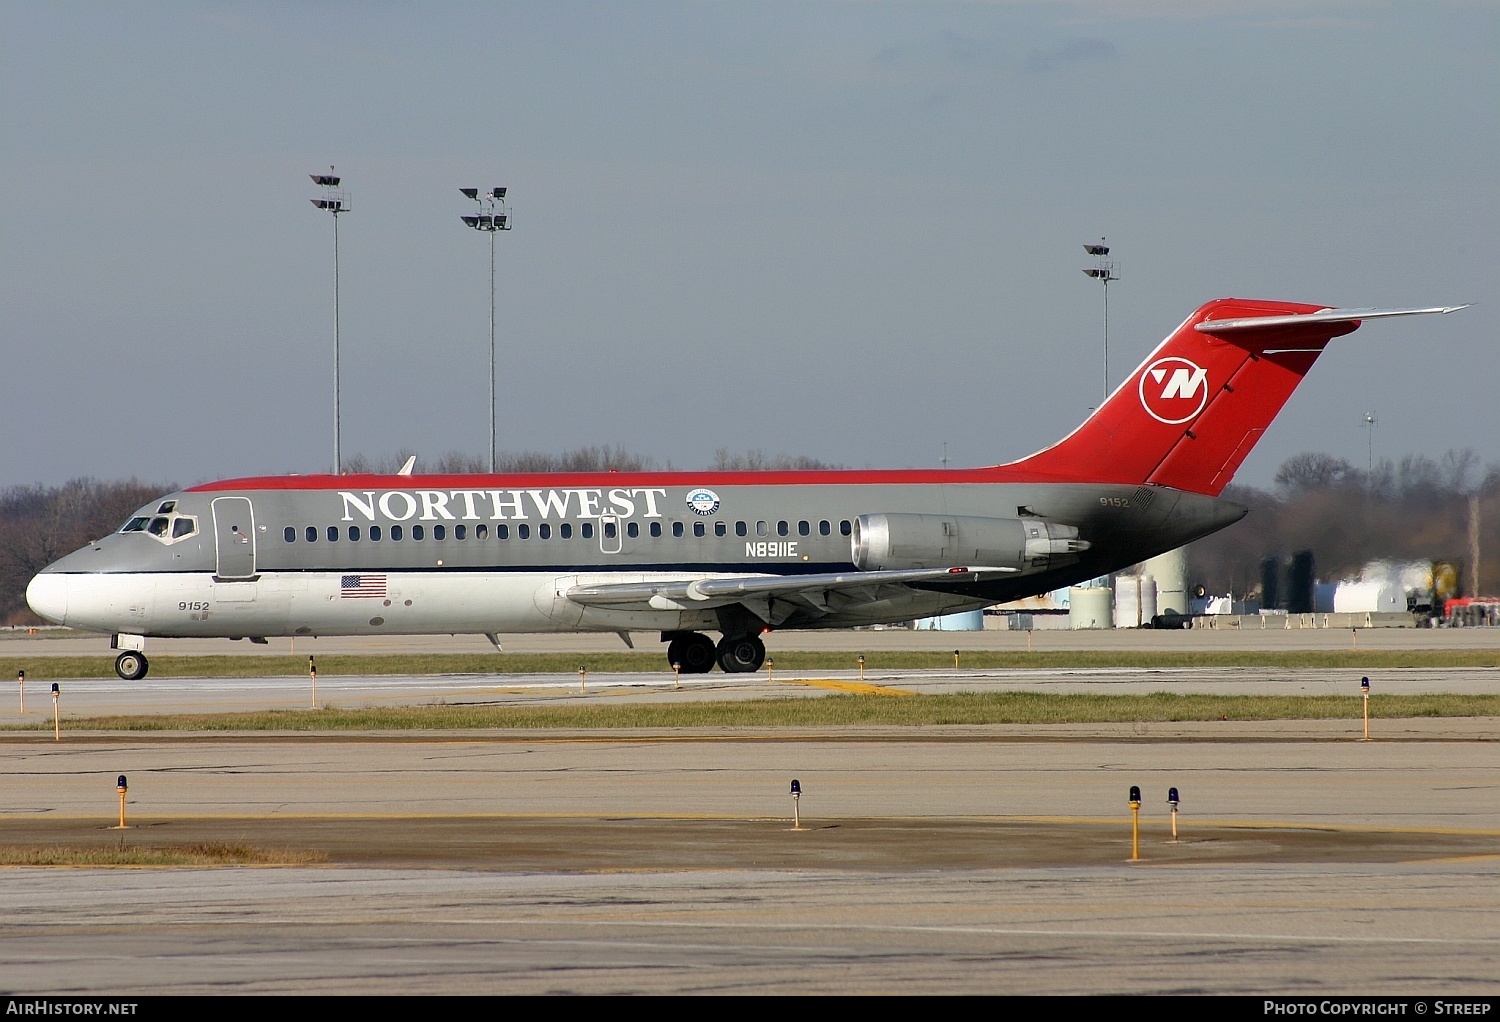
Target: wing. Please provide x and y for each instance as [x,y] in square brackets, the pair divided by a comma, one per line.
[822,593]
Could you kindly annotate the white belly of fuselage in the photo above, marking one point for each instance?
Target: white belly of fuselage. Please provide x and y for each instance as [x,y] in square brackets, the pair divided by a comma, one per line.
[192,604]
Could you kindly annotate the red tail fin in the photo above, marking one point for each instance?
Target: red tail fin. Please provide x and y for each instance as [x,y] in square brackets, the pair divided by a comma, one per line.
[1190,414]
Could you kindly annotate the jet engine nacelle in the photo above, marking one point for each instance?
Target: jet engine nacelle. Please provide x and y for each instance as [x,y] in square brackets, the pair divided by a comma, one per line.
[939,541]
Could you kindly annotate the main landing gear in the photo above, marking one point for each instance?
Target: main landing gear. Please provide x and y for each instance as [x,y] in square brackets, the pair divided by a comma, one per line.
[132,665]
[696,653]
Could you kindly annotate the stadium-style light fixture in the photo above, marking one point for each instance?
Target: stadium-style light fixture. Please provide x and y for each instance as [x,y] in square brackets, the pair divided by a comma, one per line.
[1104,272]
[492,217]
[335,201]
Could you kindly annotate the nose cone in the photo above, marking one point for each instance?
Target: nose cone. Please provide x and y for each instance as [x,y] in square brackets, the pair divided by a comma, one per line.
[47,595]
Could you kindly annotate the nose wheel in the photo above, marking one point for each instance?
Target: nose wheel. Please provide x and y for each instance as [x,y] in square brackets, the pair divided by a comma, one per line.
[132,665]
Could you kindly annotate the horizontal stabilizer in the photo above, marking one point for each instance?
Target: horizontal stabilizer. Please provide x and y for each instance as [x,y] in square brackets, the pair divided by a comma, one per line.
[1221,326]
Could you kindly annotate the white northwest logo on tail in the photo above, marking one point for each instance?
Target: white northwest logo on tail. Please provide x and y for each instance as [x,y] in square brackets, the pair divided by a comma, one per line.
[1174,390]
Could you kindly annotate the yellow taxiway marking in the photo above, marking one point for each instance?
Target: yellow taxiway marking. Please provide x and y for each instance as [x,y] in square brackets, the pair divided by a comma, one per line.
[858,688]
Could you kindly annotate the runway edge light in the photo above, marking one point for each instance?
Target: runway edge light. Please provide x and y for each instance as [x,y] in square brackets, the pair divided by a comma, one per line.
[1364,688]
[1135,823]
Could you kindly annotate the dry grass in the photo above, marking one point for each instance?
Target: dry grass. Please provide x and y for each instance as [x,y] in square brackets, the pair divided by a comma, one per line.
[208,854]
[48,668]
[824,711]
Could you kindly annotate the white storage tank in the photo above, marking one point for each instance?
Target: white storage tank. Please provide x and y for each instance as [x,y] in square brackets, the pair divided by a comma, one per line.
[963,621]
[1135,601]
[1089,607]
[1170,571]
[1369,598]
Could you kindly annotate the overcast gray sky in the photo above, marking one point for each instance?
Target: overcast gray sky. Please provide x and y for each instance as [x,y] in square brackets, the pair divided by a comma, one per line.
[847,230]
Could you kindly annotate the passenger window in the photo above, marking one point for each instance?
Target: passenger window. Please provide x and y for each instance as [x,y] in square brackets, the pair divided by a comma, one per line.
[439,532]
[632,530]
[720,529]
[782,529]
[312,533]
[565,530]
[354,533]
[333,534]
[374,534]
[804,529]
[523,532]
[677,530]
[761,530]
[611,530]
[502,532]
[740,529]
[586,530]
[289,534]
[460,532]
[656,530]
[824,529]
[698,529]
[481,532]
[544,531]
[844,527]
[418,533]
[396,533]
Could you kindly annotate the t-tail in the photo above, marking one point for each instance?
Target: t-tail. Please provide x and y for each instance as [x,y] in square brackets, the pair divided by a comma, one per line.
[1194,409]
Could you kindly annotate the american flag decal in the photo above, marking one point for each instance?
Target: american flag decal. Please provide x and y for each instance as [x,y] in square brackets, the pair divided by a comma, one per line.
[356,587]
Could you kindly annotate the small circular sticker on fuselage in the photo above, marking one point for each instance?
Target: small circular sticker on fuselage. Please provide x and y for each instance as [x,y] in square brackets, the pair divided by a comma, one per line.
[703,502]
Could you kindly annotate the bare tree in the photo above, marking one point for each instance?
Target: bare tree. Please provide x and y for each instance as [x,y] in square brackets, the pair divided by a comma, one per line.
[39,524]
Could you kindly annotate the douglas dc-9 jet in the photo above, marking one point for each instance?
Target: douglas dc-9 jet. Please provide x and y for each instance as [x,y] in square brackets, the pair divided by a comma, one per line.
[741,554]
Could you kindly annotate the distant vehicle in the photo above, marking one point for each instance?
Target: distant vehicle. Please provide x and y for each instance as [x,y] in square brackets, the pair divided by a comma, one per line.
[688,553]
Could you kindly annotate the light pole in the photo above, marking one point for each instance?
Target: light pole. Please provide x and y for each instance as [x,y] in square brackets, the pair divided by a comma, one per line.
[336,201]
[1369,424]
[493,216]
[1104,272]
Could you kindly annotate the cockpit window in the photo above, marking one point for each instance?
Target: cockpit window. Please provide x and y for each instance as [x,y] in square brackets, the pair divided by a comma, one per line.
[166,525]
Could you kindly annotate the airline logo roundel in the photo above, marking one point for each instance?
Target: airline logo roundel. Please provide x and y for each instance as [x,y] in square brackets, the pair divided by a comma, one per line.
[703,501]
[1173,390]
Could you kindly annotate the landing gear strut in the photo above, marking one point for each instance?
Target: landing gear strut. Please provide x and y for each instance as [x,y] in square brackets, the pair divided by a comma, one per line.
[132,665]
[741,655]
[693,652]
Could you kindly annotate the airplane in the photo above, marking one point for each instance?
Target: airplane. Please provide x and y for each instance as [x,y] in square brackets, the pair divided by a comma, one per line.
[742,554]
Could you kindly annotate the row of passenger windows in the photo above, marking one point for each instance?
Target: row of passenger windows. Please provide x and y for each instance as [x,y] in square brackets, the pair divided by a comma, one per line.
[545,530]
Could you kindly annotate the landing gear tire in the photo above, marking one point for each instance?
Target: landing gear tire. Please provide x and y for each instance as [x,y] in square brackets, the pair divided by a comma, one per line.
[131,665]
[741,655]
[694,653]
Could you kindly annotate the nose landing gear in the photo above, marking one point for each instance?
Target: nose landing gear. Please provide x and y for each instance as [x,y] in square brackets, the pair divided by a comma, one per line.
[132,665]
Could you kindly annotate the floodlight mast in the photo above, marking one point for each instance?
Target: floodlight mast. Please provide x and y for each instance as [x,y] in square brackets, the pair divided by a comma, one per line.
[1104,272]
[493,216]
[336,201]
